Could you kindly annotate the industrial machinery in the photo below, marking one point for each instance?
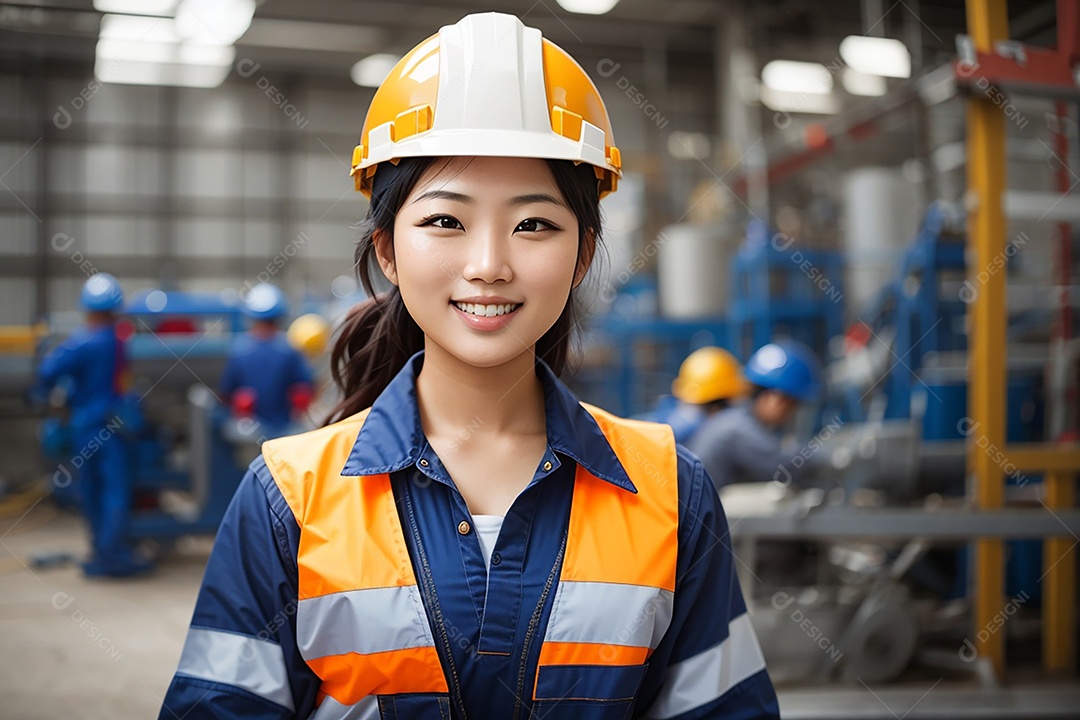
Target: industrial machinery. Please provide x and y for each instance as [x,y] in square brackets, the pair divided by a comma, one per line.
[188,451]
[881,531]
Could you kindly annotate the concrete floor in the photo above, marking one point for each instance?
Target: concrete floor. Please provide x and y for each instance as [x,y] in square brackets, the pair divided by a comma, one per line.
[78,648]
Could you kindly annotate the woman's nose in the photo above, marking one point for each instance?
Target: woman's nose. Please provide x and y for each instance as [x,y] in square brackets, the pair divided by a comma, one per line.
[488,258]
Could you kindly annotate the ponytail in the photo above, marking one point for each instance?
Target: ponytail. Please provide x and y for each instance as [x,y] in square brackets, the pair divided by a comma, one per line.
[379,335]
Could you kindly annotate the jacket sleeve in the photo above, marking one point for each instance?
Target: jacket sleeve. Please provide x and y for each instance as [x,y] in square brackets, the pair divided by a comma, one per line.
[240,659]
[63,360]
[709,664]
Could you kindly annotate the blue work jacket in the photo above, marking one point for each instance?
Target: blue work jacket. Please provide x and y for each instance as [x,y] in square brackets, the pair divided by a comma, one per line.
[269,366]
[93,358]
[708,665]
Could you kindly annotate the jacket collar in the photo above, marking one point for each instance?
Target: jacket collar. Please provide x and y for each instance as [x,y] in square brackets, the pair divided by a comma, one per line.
[392,437]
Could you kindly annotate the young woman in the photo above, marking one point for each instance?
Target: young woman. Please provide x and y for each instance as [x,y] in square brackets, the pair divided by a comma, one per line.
[467,540]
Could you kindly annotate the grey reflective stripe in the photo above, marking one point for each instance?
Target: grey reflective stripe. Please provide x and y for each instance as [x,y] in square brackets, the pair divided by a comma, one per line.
[362,621]
[708,675]
[242,661]
[610,613]
[331,709]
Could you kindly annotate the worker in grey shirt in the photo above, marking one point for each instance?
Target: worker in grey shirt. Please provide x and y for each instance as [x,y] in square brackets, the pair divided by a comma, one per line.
[742,443]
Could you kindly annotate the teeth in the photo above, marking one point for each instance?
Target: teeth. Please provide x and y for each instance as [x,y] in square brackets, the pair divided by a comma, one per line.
[485,310]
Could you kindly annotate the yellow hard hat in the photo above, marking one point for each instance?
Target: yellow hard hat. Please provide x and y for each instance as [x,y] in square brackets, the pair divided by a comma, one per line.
[709,374]
[309,334]
[487,86]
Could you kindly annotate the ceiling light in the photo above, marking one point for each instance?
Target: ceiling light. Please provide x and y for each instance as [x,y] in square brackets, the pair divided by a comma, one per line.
[876,56]
[797,77]
[161,8]
[214,22]
[144,29]
[798,102]
[588,7]
[139,51]
[154,73]
[372,70]
[860,83]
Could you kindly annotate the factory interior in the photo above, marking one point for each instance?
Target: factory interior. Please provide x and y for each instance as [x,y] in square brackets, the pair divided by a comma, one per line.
[890,185]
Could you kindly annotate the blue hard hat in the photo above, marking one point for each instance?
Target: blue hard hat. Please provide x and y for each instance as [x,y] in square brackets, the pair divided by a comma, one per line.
[787,366]
[101,292]
[265,302]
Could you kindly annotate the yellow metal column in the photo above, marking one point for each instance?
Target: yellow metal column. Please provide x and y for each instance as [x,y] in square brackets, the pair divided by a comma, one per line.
[1059,592]
[987,23]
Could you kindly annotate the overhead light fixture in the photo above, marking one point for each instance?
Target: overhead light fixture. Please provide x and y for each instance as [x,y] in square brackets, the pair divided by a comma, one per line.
[860,83]
[876,56]
[146,29]
[797,77]
[588,7]
[160,8]
[194,49]
[214,22]
[372,70]
[799,102]
[148,51]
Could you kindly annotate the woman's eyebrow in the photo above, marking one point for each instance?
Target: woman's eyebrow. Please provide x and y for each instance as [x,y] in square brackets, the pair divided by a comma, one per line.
[536,198]
[444,195]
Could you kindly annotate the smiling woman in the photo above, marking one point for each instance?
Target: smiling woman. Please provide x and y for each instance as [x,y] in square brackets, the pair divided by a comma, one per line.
[465,538]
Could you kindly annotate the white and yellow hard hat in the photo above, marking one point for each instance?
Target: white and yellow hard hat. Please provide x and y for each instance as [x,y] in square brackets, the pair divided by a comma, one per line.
[487,86]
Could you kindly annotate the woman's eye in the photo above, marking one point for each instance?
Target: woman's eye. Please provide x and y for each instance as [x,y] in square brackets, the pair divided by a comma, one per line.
[533,225]
[443,222]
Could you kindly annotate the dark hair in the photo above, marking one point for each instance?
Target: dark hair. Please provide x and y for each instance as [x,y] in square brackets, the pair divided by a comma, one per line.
[378,336]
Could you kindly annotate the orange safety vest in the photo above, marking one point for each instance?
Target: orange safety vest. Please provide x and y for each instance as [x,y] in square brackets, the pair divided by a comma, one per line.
[361,624]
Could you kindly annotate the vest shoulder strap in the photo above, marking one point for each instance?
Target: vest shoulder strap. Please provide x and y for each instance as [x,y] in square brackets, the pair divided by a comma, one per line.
[299,462]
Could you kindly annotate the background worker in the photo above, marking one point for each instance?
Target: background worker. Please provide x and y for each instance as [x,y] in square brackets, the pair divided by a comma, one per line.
[742,443]
[709,380]
[94,363]
[275,379]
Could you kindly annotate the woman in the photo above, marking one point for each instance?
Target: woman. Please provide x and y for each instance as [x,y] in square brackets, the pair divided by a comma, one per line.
[468,540]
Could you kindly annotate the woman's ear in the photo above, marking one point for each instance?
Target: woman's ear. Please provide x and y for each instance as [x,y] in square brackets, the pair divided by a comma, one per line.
[585,256]
[384,253]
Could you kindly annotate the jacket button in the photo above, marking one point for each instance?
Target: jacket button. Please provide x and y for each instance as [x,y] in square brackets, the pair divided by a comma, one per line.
[463,527]
[547,466]
[496,559]
[423,462]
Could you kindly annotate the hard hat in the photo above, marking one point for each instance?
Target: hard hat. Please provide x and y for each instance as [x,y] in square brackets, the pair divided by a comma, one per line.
[309,334]
[787,366]
[265,302]
[487,86]
[708,374]
[101,292]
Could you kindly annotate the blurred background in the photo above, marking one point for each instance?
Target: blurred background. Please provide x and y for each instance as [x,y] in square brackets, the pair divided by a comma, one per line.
[888,184]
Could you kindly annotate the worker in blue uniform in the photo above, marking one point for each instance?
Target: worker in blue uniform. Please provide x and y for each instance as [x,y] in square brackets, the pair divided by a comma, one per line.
[265,368]
[94,363]
[743,442]
[466,539]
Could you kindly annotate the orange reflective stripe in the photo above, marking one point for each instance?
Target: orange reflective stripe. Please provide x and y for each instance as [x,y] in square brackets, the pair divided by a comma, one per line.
[560,653]
[351,677]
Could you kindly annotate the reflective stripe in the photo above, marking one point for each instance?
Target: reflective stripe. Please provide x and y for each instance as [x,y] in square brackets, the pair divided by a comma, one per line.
[708,675]
[331,709]
[242,661]
[362,621]
[610,613]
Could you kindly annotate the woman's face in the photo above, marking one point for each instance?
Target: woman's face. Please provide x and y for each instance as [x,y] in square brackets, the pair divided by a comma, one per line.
[485,254]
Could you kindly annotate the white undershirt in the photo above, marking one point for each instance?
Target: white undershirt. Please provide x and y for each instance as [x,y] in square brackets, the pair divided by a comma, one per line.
[487,532]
